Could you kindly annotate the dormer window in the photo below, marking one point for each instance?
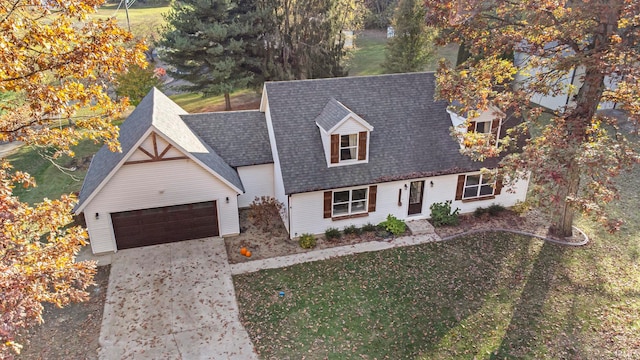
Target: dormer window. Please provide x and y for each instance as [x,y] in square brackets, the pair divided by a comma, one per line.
[345,135]
[481,127]
[486,122]
[348,147]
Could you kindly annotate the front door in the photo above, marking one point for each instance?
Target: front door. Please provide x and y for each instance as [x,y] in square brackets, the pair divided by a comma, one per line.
[415,197]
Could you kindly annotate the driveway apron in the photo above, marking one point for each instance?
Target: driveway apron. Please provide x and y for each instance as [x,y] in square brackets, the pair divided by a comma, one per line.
[173,301]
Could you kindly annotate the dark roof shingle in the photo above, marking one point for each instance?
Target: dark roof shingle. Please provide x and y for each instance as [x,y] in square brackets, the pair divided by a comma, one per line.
[331,115]
[239,137]
[411,136]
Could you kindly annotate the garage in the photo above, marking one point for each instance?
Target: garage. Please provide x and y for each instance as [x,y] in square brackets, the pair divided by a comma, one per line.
[165,224]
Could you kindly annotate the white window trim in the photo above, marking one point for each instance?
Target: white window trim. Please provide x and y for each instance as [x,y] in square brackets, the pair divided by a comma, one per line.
[350,202]
[356,147]
[475,127]
[479,185]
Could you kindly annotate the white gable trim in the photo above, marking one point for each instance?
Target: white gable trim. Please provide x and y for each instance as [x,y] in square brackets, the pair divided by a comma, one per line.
[264,100]
[197,161]
[353,116]
[134,148]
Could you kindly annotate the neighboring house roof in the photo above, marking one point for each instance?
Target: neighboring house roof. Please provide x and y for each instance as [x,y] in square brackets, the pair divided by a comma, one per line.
[412,137]
[159,112]
[239,137]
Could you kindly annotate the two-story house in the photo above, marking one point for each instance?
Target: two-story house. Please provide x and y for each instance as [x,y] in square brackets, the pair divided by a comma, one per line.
[336,152]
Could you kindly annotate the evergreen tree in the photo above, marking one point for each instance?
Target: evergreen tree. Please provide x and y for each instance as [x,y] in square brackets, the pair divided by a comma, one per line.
[303,39]
[412,46]
[211,44]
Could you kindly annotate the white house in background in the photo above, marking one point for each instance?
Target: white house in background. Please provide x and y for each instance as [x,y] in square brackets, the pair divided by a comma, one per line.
[336,152]
[571,82]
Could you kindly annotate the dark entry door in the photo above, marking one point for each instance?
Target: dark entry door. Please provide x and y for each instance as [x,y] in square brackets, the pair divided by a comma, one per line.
[165,224]
[416,191]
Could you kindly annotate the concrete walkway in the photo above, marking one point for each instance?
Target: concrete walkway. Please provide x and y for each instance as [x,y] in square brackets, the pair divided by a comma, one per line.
[177,301]
[173,301]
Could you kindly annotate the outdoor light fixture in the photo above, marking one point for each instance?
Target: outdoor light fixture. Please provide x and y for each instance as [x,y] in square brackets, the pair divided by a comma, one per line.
[97,216]
[431,183]
[227,199]
[405,186]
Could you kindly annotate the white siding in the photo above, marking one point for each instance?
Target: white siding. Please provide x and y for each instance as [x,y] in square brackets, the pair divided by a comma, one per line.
[307,209]
[257,181]
[566,97]
[157,184]
[278,184]
[350,126]
[326,145]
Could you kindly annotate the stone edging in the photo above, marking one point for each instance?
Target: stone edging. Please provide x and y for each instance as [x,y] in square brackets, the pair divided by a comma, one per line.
[558,242]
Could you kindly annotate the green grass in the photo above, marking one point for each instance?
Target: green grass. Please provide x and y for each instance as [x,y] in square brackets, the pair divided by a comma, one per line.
[369,55]
[146,21]
[195,102]
[490,296]
[51,181]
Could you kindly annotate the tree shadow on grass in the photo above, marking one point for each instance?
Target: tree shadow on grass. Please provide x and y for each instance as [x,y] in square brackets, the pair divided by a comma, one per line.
[524,328]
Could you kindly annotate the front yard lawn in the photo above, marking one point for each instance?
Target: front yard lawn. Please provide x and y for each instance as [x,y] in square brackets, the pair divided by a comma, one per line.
[487,296]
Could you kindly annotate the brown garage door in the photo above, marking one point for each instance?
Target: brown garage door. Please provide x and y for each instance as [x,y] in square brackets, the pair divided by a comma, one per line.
[166,224]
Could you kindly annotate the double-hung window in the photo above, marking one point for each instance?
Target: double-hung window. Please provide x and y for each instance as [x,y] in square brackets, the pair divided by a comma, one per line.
[482,127]
[349,202]
[477,186]
[348,147]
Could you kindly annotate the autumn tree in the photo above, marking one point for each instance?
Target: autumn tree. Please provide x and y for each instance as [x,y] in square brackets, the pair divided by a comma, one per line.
[576,151]
[212,45]
[138,81]
[54,61]
[412,46]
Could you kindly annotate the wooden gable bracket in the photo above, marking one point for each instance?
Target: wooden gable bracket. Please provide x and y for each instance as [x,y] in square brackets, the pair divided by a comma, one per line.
[155,156]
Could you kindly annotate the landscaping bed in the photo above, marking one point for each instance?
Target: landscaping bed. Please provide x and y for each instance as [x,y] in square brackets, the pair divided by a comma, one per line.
[275,241]
[71,332]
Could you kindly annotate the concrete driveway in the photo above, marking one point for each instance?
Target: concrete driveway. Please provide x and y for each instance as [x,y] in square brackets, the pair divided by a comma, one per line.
[173,301]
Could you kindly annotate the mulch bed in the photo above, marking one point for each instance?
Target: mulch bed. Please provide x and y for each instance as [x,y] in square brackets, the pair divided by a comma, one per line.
[71,332]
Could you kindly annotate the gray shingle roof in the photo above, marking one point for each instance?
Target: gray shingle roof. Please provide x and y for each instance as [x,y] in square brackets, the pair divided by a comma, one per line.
[411,138]
[157,110]
[239,137]
[331,115]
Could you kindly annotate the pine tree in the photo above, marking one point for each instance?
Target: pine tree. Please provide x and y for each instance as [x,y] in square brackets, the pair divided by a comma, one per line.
[411,48]
[211,44]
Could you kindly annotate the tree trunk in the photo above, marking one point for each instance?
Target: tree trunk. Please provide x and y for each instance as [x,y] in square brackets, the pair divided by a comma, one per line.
[562,221]
[578,121]
[227,102]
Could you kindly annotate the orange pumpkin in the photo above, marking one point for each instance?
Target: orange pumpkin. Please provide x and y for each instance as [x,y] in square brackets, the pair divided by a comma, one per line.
[243,251]
[248,253]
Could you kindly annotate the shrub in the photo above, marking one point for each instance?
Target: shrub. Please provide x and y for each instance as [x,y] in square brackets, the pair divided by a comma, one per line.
[394,225]
[521,207]
[332,234]
[369,227]
[307,241]
[352,229]
[495,209]
[479,211]
[441,214]
[265,213]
